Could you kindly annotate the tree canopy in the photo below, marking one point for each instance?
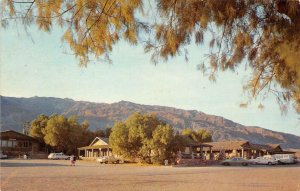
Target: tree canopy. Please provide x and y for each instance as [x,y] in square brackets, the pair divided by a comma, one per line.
[145,138]
[142,138]
[201,135]
[262,35]
[61,133]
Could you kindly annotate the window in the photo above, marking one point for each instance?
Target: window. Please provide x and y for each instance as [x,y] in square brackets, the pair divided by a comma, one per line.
[15,143]
[26,144]
[3,143]
[9,143]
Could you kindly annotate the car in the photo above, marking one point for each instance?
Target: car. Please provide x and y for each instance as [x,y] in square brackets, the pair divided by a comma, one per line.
[267,159]
[109,159]
[3,156]
[57,156]
[285,158]
[235,161]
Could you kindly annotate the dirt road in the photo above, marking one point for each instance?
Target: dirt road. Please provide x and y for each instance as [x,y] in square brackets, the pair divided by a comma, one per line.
[44,175]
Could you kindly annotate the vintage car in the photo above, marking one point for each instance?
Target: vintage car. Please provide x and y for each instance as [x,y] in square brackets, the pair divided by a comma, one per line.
[3,156]
[58,156]
[285,158]
[235,162]
[109,159]
[267,159]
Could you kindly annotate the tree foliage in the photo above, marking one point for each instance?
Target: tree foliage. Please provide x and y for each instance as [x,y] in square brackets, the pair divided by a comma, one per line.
[200,135]
[61,133]
[142,137]
[262,34]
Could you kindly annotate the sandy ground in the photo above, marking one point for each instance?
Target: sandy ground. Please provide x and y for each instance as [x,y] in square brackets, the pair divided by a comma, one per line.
[40,175]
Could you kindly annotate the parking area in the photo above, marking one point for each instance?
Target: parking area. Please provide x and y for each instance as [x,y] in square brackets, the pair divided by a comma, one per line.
[43,175]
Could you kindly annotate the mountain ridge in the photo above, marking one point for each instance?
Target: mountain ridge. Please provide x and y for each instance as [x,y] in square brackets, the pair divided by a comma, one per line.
[16,111]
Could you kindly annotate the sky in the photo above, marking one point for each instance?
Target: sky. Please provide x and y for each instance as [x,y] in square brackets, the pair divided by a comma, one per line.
[40,64]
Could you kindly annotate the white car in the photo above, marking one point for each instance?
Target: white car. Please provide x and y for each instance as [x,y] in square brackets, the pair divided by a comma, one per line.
[57,156]
[3,156]
[108,159]
[267,159]
[285,158]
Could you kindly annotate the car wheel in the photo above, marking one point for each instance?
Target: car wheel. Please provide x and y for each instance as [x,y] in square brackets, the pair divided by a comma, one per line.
[269,163]
[106,162]
[226,164]
[245,164]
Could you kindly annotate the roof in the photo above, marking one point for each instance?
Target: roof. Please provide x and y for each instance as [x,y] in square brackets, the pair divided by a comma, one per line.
[261,147]
[10,134]
[104,139]
[229,145]
[274,146]
[199,145]
[267,147]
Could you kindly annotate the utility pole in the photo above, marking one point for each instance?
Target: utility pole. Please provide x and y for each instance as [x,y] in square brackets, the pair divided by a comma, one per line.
[26,126]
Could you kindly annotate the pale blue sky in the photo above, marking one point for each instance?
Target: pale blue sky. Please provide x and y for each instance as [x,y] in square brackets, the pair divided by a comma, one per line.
[41,67]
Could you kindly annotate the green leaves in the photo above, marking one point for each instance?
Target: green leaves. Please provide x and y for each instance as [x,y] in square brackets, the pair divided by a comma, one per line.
[265,32]
[142,137]
[61,133]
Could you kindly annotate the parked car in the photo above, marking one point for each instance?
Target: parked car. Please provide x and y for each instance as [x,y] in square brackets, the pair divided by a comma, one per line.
[58,156]
[109,159]
[285,158]
[235,161]
[267,159]
[3,156]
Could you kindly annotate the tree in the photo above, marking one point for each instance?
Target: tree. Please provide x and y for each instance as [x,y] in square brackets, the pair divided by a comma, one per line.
[142,137]
[200,135]
[162,142]
[263,35]
[37,127]
[61,133]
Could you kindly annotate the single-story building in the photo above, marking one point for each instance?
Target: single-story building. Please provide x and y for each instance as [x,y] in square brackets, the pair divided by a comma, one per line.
[15,144]
[209,153]
[245,149]
[231,148]
[98,147]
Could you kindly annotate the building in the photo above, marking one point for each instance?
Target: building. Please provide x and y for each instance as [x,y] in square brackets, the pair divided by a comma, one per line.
[231,149]
[269,149]
[15,144]
[245,149]
[98,147]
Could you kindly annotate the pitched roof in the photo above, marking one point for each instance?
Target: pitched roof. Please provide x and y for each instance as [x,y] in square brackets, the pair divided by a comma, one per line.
[229,145]
[104,139]
[267,147]
[274,146]
[10,134]
[261,147]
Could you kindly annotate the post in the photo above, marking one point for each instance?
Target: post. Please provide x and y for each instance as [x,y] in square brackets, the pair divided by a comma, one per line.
[242,152]
[201,152]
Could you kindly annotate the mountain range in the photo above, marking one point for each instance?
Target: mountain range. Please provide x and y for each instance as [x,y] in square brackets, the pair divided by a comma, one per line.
[16,111]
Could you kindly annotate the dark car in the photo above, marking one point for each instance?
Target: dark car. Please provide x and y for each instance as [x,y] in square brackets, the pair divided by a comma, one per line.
[236,161]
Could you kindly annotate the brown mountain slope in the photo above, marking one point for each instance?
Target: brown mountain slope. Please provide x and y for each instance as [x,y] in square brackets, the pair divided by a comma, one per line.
[15,111]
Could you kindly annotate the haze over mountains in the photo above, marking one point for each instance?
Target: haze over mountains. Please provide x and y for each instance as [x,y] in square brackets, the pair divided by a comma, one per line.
[16,111]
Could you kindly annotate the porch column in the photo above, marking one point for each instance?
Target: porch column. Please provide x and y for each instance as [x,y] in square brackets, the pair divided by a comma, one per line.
[85,153]
[201,152]
[242,152]
[100,154]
